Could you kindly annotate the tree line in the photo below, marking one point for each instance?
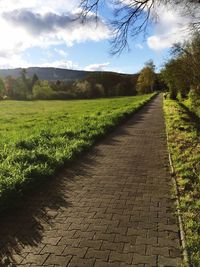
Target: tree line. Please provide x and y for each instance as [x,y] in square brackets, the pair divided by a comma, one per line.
[181,72]
[97,84]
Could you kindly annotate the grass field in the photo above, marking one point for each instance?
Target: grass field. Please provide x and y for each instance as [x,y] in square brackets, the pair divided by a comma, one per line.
[184,145]
[36,138]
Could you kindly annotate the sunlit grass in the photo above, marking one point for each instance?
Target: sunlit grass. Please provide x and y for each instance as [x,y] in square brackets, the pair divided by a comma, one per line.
[184,144]
[37,137]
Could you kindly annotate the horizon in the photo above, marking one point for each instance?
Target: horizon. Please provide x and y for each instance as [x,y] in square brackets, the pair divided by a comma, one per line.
[80,70]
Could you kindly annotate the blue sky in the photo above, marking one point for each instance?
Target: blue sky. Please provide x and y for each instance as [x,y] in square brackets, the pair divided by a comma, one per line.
[40,33]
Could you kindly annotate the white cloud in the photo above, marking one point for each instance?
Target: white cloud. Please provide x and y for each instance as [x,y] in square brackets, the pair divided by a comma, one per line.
[35,29]
[13,61]
[68,64]
[61,52]
[17,62]
[171,27]
[97,67]
[40,5]
[38,23]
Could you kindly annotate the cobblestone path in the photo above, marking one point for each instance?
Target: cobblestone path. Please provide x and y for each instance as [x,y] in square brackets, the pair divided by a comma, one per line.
[113,207]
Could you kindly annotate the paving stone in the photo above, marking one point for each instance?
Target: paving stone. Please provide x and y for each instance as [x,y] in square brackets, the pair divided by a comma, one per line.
[57,250]
[74,242]
[137,232]
[78,262]
[37,259]
[114,246]
[84,235]
[51,240]
[57,260]
[125,238]
[97,254]
[146,241]
[120,257]
[167,261]
[100,263]
[164,251]
[80,252]
[140,249]
[96,244]
[144,259]
[105,237]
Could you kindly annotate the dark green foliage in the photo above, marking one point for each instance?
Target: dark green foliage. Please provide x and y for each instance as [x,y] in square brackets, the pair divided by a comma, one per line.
[173,93]
[114,84]
[2,88]
[95,85]
[182,72]
[34,80]
[160,84]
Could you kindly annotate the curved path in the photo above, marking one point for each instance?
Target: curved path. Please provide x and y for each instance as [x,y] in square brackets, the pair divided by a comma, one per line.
[113,207]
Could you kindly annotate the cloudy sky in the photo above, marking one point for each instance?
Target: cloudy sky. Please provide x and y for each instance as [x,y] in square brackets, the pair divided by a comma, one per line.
[44,33]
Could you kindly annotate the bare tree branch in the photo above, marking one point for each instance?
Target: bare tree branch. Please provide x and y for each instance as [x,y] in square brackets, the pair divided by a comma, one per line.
[131,20]
[134,16]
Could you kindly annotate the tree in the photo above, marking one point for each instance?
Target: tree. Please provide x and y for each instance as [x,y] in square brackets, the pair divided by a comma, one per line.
[15,88]
[133,17]
[177,75]
[42,90]
[23,75]
[2,87]
[20,89]
[182,72]
[34,80]
[83,89]
[146,79]
[27,83]
[169,76]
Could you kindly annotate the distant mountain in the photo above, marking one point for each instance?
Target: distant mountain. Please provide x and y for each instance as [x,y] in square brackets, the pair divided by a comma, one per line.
[49,74]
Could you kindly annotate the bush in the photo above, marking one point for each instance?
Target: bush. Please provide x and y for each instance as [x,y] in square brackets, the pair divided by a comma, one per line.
[42,90]
[195,101]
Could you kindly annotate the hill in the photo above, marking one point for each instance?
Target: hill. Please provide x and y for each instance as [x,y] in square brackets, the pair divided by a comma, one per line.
[46,73]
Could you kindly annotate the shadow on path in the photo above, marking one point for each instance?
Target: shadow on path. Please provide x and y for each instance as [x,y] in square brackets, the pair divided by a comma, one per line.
[24,225]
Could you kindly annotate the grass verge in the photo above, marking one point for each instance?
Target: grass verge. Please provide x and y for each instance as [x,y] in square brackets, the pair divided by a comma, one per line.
[39,137]
[184,146]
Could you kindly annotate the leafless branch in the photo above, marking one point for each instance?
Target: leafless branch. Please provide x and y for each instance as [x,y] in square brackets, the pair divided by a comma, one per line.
[133,17]
[131,20]
[88,6]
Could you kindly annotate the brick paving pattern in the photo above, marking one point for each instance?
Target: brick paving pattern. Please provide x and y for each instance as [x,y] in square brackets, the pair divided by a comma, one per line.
[113,207]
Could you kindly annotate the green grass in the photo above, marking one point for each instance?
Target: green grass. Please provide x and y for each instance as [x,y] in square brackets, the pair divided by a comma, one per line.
[188,104]
[38,137]
[184,145]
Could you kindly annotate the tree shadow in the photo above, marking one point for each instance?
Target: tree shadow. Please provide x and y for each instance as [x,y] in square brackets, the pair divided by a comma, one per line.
[24,225]
[192,117]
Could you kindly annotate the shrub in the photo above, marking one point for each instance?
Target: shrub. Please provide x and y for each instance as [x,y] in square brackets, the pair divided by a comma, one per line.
[42,90]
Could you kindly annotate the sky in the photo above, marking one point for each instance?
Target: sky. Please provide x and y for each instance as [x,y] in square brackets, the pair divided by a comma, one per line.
[45,34]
